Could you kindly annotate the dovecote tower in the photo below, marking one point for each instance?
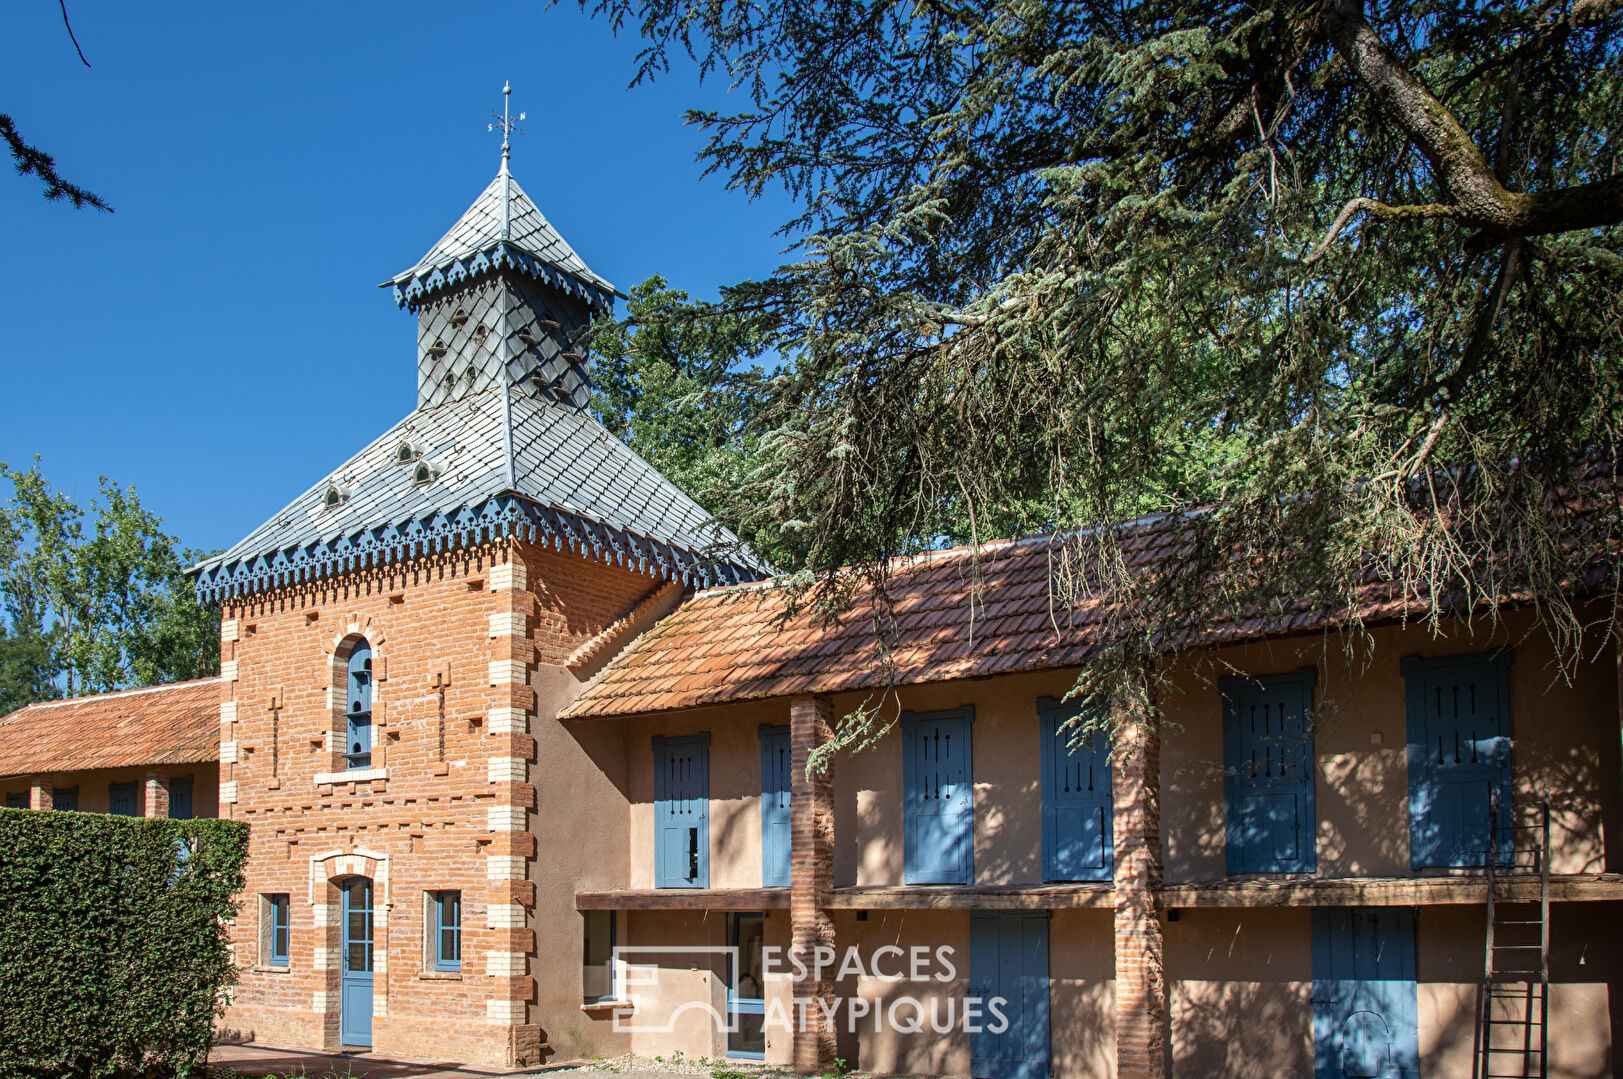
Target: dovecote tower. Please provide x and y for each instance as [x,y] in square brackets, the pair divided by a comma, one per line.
[397,644]
[500,300]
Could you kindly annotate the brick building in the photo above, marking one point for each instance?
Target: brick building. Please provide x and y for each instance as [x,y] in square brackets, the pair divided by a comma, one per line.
[522,742]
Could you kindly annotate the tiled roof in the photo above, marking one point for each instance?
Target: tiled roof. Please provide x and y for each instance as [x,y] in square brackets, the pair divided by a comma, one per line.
[956,615]
[570,481]
[174,724]
[478,236]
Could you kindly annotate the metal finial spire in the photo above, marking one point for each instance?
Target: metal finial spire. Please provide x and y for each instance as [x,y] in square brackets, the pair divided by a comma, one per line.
[509,128]
[508,125]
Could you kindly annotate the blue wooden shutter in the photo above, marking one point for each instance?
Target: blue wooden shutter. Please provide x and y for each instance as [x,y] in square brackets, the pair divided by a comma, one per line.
[776,786]
[682,812]
[358,718]
[938,804]
[1078,807]
[1459,754]
[66,798]
[121,799]
[1268,773]
[17,800]
[1365,1013]
[180,798]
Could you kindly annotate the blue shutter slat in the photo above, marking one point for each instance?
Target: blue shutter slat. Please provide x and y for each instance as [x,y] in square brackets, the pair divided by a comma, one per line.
[682,812]
[938,797]
[776,786]
[1268,774]
[1078,809]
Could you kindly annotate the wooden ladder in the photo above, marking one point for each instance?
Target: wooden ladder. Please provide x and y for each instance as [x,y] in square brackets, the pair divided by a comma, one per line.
[1513,1008]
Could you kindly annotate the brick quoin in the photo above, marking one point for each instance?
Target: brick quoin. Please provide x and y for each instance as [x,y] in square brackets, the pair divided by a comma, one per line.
[811,880]
[1141,992]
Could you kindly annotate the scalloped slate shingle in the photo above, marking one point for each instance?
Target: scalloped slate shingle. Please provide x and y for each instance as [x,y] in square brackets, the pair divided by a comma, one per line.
[562,459]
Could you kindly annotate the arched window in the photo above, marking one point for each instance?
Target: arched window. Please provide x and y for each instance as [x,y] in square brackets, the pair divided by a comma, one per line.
[358,715]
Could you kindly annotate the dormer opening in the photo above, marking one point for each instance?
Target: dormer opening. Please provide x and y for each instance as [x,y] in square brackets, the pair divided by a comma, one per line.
[423,474]
[334,497]
[406,453]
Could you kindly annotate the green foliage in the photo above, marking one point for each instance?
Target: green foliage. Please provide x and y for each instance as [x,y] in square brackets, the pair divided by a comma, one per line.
[1338,285]
[93,609]
[673,381]
[112,944]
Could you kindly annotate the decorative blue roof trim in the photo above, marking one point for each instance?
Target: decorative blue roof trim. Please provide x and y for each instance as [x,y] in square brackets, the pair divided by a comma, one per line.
[502,516]
[410,290]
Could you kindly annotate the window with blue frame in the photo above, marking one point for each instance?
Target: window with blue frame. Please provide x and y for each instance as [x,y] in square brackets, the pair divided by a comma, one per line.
[358,716]
[1268,771]
[17,800]
[1078,804]
[121,799]
[746,990]
[597,958]
[65,798]
[682,812]
[180,798]
[1458,720]
[277,932]
[447,913]
[938,797]
[776,789]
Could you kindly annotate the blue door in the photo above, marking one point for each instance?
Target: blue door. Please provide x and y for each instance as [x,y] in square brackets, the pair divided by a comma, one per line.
[1459,754]
[682,812]
[180,798]
[121,799]
[776,785]
[1268,773]
[1077,800]
[1364,1001]
[938,804]
[1008,976]
[355,998]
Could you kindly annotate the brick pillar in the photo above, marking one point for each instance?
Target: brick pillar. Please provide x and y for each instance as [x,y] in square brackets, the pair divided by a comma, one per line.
[1141,990]
[156,803]
[40,793]
[811,880]
[511,845]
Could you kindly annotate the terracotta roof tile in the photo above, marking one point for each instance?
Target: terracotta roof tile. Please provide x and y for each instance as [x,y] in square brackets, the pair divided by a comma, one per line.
[174,724]
[956,614]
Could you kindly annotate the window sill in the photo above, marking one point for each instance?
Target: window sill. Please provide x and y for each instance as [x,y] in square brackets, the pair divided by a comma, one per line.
[358,775]
[607,1009]
[273,969]
[439,976]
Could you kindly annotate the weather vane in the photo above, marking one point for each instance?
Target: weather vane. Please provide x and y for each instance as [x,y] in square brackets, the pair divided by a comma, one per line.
[508,125]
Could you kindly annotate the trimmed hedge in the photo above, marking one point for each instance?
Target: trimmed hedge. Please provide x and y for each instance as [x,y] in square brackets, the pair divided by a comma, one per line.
[113,956]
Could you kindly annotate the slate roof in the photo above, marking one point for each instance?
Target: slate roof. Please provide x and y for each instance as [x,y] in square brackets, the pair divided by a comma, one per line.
[956,616]
[570,482]
[476,243]
[173,724]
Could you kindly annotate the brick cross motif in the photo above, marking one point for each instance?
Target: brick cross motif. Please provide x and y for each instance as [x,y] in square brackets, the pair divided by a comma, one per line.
[275,710]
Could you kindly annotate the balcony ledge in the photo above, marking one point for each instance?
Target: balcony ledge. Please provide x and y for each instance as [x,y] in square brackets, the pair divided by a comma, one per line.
[1282,891]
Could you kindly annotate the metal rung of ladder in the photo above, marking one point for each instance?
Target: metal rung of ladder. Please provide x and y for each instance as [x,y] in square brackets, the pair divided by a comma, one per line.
[1512,964]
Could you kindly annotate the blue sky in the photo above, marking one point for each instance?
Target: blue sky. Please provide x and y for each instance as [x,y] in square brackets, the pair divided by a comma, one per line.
[219,341]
